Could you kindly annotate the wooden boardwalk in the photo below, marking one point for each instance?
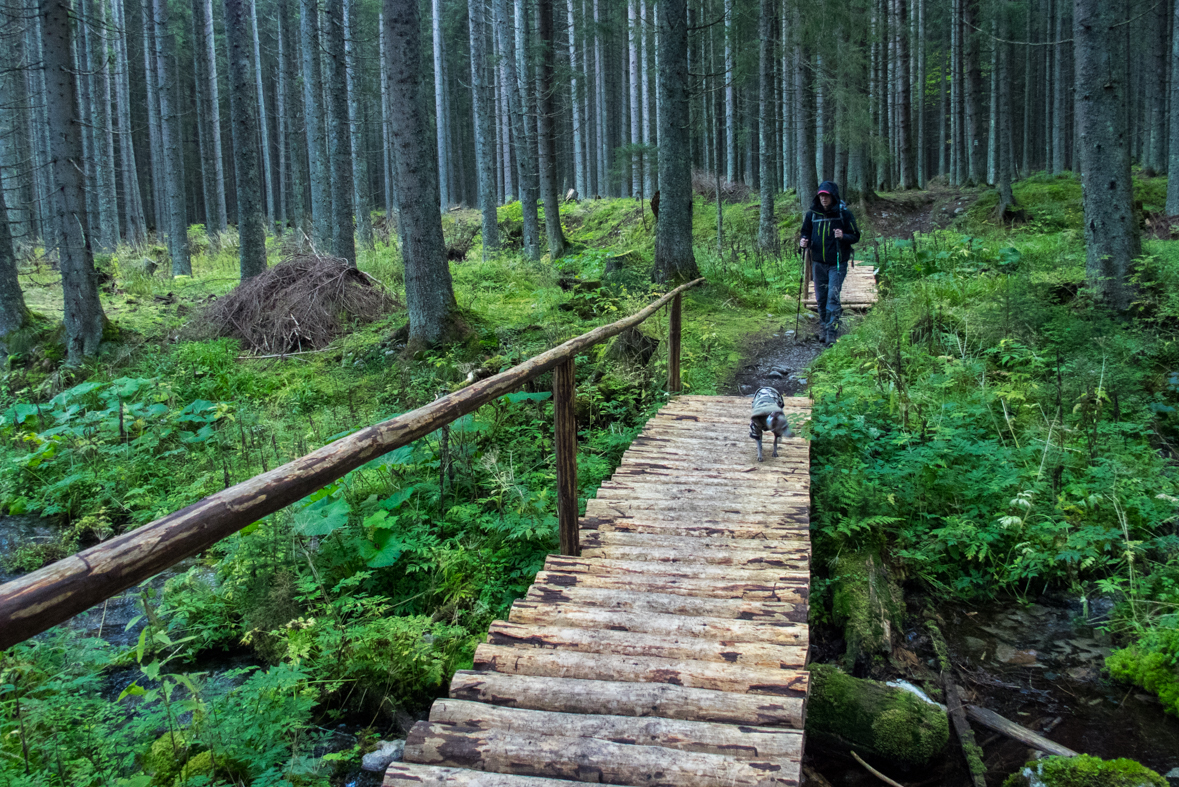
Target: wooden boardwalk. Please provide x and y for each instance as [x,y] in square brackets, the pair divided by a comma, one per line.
[858,293]
[672,651]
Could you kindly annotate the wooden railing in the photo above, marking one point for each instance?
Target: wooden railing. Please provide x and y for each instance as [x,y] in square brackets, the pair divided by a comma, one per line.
[39,600]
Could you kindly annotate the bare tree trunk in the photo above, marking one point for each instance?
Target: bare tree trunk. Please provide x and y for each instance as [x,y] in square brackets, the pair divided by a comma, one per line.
[547,142]
[243,108]
[313,121]
[767,228]
[730,100]
[360,201]
[280,120]
[296,142]
[674,259]
[808,181]
[516,89]
[339,135]
[134,224]
[108,201]
[922,147]
[1060,93]
[214,116]
[820,129]
[84,318]
[973,83]
[904,141]
[263,120]
[993,120]
[648,115]
[1005,156]
[170,139]
[1028,102]
[155,144]
[1111,232]
[600,118]
[578,107]
[482,101]
[429,293]
[1173,165]
[14,315]
[944,109]
[957,154]
[1155,77]
[636,135]
[441,111]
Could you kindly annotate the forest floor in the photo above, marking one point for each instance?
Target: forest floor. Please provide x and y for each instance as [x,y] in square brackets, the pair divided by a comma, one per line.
[990,432]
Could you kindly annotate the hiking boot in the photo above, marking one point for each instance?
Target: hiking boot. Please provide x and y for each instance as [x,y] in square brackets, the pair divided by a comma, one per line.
[821,335]
[830,335]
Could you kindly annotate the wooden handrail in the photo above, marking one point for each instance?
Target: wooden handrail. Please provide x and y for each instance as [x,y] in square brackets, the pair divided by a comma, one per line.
[41,599]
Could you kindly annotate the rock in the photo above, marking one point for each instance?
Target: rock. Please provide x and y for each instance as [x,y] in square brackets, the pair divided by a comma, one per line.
[782,370]
[872,718]
[957,211]
[380,758]
[1084,771]
[1172,777]
[775,373]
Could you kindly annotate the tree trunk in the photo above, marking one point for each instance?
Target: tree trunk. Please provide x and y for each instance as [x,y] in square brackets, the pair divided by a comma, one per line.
[808,181]
[441,112]
[993,120]
[360,200]
[482,103]
[263,121]
[1028,95]
[767,228]
[173,151]
[547,142]
[820,129]
[957,137]
[280,121]
[1060,93]
[213,114]
[975,154]
[908,176]
[578,107]
[84,318]
[339,135]
[243,107]
[730,100]
[919,99]
[600,119]
[1155,76]
[155,146]
[313,121]
[674,259]
[636,118]
[1005,158]
[649,155]
[943,111]
[14,315]
[1111,232]
[429,293]
[135,230]
[1173,161]
[516,89]
[108,202]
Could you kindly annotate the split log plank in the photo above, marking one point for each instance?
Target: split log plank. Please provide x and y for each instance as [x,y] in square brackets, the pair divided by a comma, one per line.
[697,571]
[588,759]
[629,643]
[740,559]
[795,592]
[579,616]
[596,539]
[779,604]
[643,669]
[614,698]
[740,742]
[405,774]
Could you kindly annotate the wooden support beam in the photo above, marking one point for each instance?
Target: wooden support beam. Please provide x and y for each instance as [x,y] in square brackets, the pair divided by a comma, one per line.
[565,440]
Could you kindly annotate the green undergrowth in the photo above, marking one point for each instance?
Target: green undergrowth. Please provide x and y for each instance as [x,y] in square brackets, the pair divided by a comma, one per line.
[362,599]
[994,432]
[1084,771]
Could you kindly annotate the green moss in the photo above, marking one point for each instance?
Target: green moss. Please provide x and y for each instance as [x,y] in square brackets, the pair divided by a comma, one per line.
[1084,771]
[221,767]
[873,718]
[867,603]
[1151,664]
[166,758]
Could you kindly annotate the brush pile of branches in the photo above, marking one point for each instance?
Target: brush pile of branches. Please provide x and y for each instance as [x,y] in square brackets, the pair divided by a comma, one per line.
[704,185]
[301,304]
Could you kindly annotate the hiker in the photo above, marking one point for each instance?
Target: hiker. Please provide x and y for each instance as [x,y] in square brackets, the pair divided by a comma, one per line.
[829,230]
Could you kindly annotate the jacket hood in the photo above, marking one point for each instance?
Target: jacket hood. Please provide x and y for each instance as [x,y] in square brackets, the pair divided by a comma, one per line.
[829,186]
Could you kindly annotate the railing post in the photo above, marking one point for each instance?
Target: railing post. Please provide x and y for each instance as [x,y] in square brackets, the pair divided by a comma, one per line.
[565,439]
[674,323]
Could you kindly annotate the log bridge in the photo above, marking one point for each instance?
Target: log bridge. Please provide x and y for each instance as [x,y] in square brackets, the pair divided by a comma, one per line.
[664,645]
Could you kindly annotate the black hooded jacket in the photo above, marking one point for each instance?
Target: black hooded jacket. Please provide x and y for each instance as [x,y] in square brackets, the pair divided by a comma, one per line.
[819,225]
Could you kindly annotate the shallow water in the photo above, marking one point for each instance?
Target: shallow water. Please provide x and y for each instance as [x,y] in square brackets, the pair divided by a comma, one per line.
[1039,665]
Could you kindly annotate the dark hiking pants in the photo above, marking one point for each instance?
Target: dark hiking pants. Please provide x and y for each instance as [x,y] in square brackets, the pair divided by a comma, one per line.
[828,283]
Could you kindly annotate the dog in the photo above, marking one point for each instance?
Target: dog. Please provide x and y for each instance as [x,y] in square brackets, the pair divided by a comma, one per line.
[768,416]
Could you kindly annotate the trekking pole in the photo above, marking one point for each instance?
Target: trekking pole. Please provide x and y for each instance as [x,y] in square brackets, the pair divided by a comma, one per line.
[801,280]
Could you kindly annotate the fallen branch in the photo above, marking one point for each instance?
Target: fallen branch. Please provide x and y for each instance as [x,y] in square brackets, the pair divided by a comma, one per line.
[281,355]
[970,749]
[875,772]
[993,721]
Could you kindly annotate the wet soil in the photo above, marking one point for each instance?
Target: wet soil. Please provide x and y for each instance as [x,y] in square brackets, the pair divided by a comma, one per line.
[904,213]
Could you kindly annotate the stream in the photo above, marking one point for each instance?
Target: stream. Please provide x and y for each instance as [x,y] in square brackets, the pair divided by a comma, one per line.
[1039,665]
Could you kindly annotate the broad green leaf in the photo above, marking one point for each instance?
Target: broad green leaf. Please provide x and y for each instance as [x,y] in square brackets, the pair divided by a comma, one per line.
[528,397]
[323,517]
[394,501]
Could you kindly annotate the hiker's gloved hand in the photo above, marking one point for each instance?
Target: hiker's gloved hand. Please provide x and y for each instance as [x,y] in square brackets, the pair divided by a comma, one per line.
[839,234]
[802,243]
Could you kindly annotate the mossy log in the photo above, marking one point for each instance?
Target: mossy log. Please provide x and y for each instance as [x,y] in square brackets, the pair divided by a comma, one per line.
[872,718]
[1084,771]
[868,604]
